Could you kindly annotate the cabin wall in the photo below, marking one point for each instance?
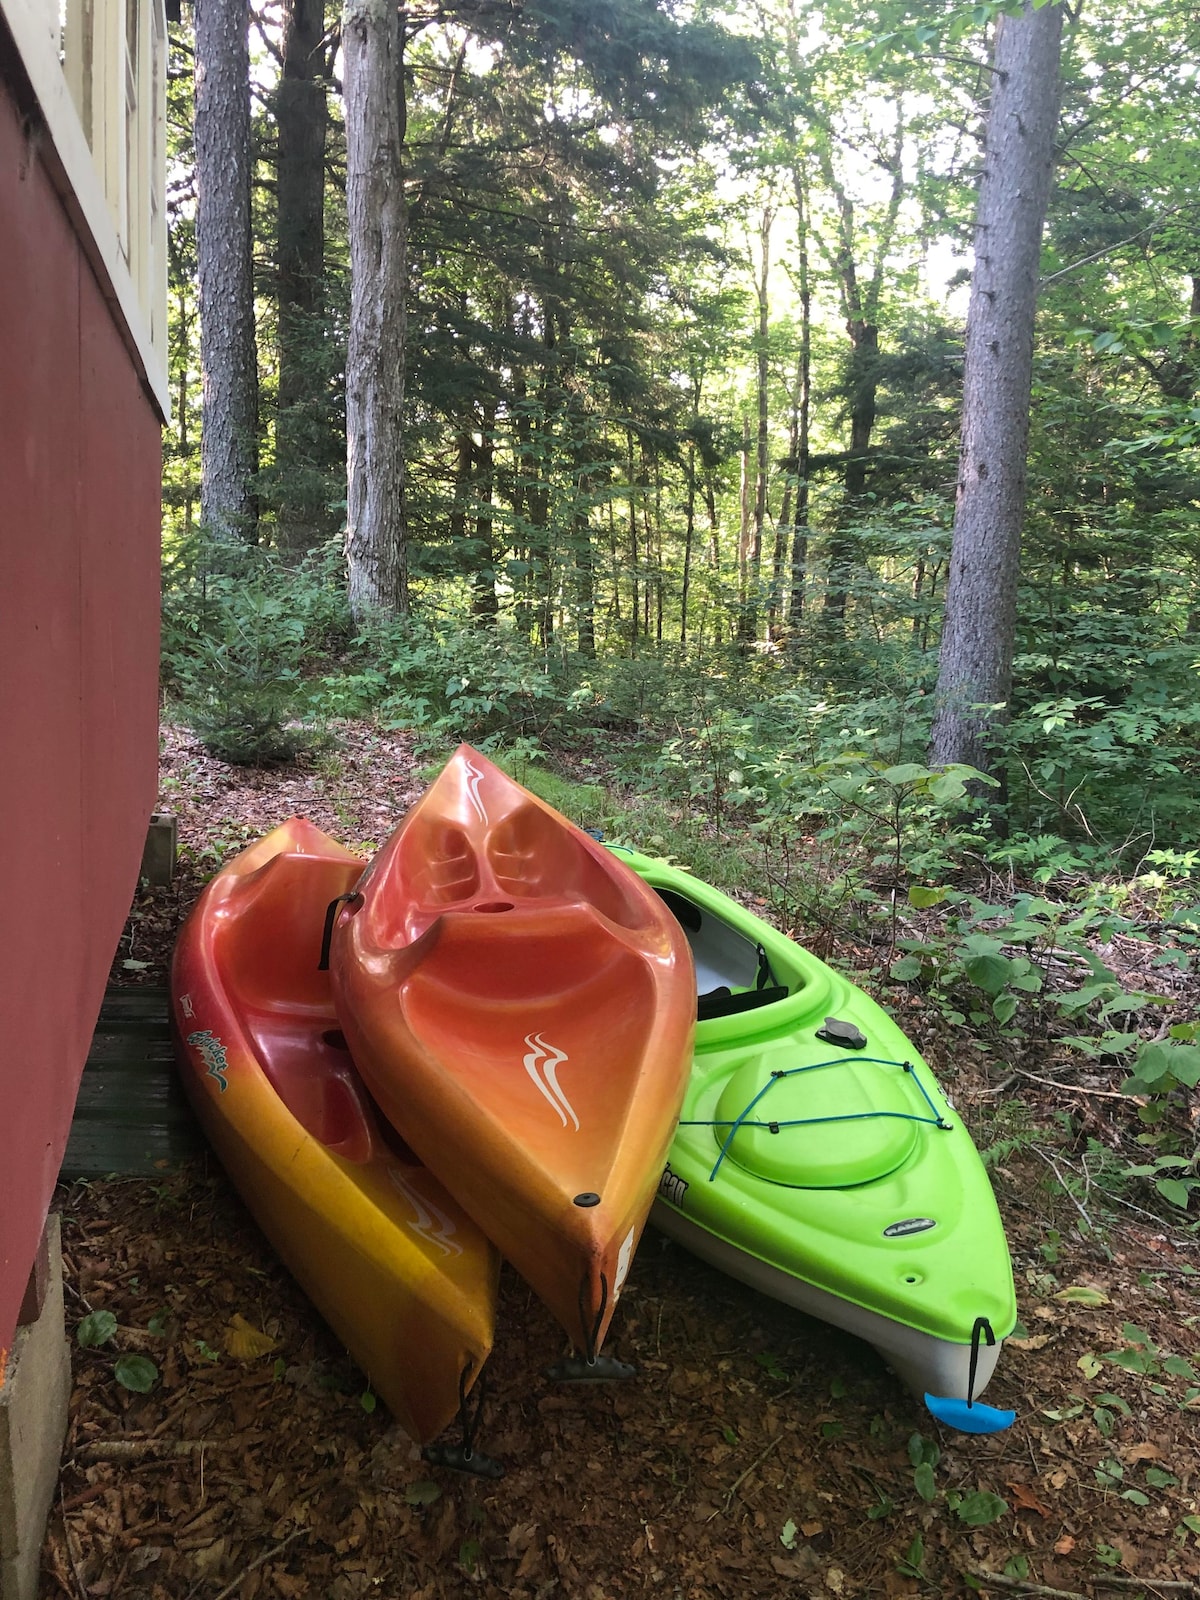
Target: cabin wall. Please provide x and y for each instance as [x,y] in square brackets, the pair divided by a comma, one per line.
[80,460]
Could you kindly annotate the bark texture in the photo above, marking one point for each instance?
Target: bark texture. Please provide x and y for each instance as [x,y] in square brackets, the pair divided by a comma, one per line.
[229,436]
[302,429]
[975,661]
[376,554]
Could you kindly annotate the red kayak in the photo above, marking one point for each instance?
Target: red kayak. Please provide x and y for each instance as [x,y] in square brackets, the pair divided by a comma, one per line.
[522,1008]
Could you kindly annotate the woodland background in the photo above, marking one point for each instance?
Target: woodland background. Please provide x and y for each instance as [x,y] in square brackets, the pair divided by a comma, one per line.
[649,323]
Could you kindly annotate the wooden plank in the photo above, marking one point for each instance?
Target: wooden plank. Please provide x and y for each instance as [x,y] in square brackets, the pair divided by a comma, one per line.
[131,1116]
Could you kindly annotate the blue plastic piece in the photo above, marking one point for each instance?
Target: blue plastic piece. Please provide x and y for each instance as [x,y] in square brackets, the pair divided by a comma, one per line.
[976,1418]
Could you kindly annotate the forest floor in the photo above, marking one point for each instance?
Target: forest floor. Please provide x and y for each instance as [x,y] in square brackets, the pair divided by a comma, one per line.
[757,1454]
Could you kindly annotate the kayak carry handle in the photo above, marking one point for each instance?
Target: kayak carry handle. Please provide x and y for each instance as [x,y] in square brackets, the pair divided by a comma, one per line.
[973,1416]
[331,912]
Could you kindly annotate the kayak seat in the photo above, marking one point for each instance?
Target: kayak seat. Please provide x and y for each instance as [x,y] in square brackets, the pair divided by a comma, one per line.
[723,1002]
[267,943]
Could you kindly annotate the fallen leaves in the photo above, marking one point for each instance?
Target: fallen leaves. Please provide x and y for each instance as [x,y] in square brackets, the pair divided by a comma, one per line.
[245,1342]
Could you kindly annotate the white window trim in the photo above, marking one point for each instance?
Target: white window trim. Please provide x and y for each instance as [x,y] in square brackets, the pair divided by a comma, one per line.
[76,172]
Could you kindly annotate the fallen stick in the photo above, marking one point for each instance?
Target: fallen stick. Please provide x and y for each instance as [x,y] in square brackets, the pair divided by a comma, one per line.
[1001,1580]
[130,1449]
[267,1555]
[737,1483]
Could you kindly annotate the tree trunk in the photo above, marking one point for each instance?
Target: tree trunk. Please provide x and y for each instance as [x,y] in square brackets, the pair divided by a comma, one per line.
[975,659]
[801,411]
[484,601]
[302,444]
[228,360]
[376,533]
[749,627]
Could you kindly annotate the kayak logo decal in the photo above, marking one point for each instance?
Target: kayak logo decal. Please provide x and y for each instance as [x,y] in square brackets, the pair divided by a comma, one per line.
[672,1187]
[624,1262]
[212,1053]
[432,1224]
[474,779]
[542,1064]
[898,1230]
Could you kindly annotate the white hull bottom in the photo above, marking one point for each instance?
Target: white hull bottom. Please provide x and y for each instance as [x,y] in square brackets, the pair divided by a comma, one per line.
[925,1363]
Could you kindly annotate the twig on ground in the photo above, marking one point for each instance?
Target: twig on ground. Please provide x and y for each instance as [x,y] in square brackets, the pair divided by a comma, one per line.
[259,1561]
[1050,1162]
[1001,1580]
[81,1587]
[737,1483]
[1071,1088]
[130,1449]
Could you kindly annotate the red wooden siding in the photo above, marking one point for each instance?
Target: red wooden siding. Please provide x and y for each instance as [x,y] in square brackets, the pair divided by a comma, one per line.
[79,539]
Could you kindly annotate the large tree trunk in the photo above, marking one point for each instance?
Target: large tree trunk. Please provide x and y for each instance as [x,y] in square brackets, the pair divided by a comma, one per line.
[376,533]
[302,445]
[228,361]
[975,661]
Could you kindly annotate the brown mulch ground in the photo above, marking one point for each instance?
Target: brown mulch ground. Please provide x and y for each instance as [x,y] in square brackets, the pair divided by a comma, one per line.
[757,1453]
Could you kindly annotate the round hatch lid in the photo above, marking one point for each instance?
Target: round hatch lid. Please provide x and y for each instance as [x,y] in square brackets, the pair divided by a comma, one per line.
[845,1145]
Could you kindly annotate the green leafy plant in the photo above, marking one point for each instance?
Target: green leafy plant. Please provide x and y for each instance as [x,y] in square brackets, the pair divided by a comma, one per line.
[135,1372]
[924,1455]
[96,1329]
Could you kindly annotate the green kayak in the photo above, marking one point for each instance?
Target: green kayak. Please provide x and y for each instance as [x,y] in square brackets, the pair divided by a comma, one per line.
[817,1160]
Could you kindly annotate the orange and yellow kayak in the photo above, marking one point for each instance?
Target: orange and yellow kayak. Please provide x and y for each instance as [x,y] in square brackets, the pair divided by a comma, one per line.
[399,1272]
[522,1008]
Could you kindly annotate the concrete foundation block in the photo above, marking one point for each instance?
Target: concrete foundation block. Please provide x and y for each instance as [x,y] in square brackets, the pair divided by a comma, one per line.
[34,1392]
[159,852]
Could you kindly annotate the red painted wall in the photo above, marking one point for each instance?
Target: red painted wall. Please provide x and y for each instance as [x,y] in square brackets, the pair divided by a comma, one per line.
[79,608]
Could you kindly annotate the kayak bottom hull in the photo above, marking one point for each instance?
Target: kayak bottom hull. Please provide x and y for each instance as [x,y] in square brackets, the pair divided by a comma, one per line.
[923,1362]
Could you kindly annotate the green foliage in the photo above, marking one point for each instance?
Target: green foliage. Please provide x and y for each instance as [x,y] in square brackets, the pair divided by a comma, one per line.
[97,1328]
[137,1373]
[238,630]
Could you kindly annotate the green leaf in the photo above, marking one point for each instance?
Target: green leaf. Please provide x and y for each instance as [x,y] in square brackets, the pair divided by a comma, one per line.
[1116,1402]
[1179,1367]
[947,788]
[787,1535]
[911,1561]
[422,1493]
[1135,1496]
[1004,1008]
[921,896]
[924,1482]
[367,1401]
[981,1508]
[1082,1294]
[1158,1479]
[989,973]
[905,969]
[97,1328]
[135,1372]
[1174,1190]
[906,772]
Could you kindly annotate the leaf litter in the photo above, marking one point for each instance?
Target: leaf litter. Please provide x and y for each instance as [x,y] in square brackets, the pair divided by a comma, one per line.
[758,1453]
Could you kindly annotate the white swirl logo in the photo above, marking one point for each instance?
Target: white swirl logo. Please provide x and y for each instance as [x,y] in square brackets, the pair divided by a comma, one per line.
[474,779]
[431,1223]
[542,1064]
